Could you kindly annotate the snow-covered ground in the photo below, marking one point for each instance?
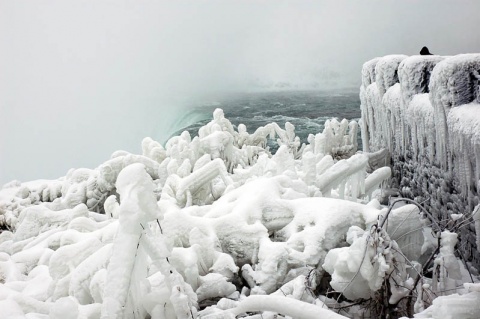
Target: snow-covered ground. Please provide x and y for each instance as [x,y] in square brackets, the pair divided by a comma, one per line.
[216,226]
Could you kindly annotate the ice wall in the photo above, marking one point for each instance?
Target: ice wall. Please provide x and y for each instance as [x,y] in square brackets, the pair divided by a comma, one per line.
[425,110]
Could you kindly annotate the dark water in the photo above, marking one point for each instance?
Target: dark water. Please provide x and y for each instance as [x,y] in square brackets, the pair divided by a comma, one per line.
[306,110]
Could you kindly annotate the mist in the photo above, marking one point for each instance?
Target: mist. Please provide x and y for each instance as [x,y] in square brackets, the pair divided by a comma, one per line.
[81,79]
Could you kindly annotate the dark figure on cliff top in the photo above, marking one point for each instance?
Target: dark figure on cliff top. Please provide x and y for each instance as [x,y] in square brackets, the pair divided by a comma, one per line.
[424,51]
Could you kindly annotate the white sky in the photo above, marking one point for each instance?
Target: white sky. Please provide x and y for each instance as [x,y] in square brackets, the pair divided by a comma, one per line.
[81,79]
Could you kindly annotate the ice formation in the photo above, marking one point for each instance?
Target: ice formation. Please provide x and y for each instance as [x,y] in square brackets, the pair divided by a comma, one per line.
[215,220]
[427,121]
[423,113]
[216,226]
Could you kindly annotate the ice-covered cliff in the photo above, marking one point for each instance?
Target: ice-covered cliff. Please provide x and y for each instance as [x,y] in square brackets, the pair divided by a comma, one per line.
[425,110]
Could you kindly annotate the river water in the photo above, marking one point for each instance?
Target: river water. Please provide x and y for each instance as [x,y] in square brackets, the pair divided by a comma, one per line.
[306,110]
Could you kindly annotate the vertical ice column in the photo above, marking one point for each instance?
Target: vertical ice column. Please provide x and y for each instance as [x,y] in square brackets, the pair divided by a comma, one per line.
[454,82]
[378,75]
[414,76]
[373,100]
[391,102]
[463,125]
[368,77]
[419,117]
[386,72]
[138,206]
[386,76]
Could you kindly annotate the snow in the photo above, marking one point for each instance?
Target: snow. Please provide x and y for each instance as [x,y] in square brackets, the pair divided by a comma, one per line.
[361,268]
[454,306]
